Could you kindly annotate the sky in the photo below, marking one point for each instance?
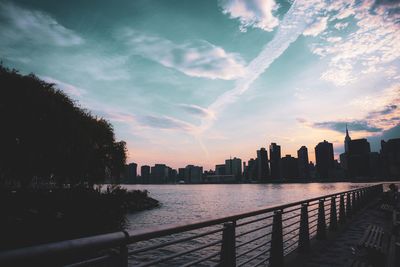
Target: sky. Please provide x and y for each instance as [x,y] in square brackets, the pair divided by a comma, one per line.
[196,82]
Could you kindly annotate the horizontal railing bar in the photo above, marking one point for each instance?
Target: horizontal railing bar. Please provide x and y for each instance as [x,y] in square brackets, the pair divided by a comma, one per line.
[291,245]
[152,232]
[291,238]
[291,231]
[252,258]
[255,220]
[313,210]
[261,262]
[168,243]
[56,249]
[90,262]
[201,259]
[252,249]
[252,240]
[287,211]
[180,254]
[291,217]
[253,230]
[313,221]
[312,216]
[287,226]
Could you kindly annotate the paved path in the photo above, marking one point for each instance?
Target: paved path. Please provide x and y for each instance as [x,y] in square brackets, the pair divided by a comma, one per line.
[342,248]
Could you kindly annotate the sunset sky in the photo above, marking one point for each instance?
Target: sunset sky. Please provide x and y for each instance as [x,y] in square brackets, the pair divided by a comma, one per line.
[195,82]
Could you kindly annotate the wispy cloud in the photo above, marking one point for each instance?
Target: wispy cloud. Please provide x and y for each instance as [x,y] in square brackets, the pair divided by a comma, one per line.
[292,26]
[196,110]
[165,122]
[339,126]
[369,48]
[252,13]
[23,25]
[317,27]
[195,58]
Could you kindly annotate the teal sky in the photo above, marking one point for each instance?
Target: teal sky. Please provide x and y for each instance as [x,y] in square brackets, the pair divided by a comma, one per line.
[195,82]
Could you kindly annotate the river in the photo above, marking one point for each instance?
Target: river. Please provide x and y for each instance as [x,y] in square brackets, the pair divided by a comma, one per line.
[185,202]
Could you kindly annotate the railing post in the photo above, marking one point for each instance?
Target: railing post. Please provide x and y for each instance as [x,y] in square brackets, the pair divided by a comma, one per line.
[304,233]
[228,248]
[333,217]
[348,206]
[123,252]
[321,226]
[354,201]
[276,259]
[342,212]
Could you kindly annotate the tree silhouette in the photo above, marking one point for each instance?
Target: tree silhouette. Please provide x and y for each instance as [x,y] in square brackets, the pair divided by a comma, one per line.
[45,136]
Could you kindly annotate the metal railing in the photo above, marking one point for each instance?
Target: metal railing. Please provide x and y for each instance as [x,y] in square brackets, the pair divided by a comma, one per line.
[262,236]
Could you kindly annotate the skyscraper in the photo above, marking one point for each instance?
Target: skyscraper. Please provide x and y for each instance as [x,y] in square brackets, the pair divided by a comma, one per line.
[347,140]
[234,167]
[358,158]
[193,174]
[252,169]
[275,159]
[390,152]
[263,168]
[290,167]
[131,173]
[145,173]
[324,160]
[302,156]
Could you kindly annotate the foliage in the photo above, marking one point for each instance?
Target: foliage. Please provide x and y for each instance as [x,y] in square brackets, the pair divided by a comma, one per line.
[41,216]
[46,137]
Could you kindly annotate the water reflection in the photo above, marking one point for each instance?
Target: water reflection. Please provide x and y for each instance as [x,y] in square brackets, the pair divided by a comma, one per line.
[194,202]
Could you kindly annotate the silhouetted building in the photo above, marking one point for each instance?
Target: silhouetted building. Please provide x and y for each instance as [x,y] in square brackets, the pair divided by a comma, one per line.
[181,174]
[263,168]
[220,169]
[275,159]
[347,140]
[130,173]
[302,159]
[290,167]
[145,174]
[193,174]
[172,175]
[344,156]
[234,167]
[375,165]
[324,160]
[252,169]
[358,158]
[390,153]
[159,174]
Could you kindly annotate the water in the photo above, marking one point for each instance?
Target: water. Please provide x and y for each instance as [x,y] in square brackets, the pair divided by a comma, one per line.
[181,203]
[184,203]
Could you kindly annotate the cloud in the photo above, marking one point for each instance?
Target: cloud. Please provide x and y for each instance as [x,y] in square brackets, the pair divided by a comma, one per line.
[339,126]
[376,120]
[292,26]
[196,110]
[69,89]
[198,58]
[165,122]
[368,48]
[33,26]
[252,13]
[317,27]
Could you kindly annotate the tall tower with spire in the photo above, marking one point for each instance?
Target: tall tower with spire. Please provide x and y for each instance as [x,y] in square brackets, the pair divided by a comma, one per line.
[347,140]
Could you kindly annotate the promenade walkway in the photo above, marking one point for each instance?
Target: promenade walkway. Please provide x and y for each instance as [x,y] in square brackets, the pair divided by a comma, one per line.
[341,247]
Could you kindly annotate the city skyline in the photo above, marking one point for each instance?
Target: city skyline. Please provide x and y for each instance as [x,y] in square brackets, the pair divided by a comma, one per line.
[195,83]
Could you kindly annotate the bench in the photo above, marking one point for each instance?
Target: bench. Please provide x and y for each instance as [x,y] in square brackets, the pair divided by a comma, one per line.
[395,222]
[386,207]
[374,238]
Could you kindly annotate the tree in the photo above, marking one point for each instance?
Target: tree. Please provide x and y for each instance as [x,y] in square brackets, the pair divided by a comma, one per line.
[46,136]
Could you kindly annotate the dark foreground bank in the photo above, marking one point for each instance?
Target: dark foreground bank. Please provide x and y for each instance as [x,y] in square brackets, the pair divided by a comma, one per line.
[38,216]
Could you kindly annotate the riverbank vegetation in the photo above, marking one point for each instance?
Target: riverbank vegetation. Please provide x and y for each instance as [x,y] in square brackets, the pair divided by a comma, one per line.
[52,153]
